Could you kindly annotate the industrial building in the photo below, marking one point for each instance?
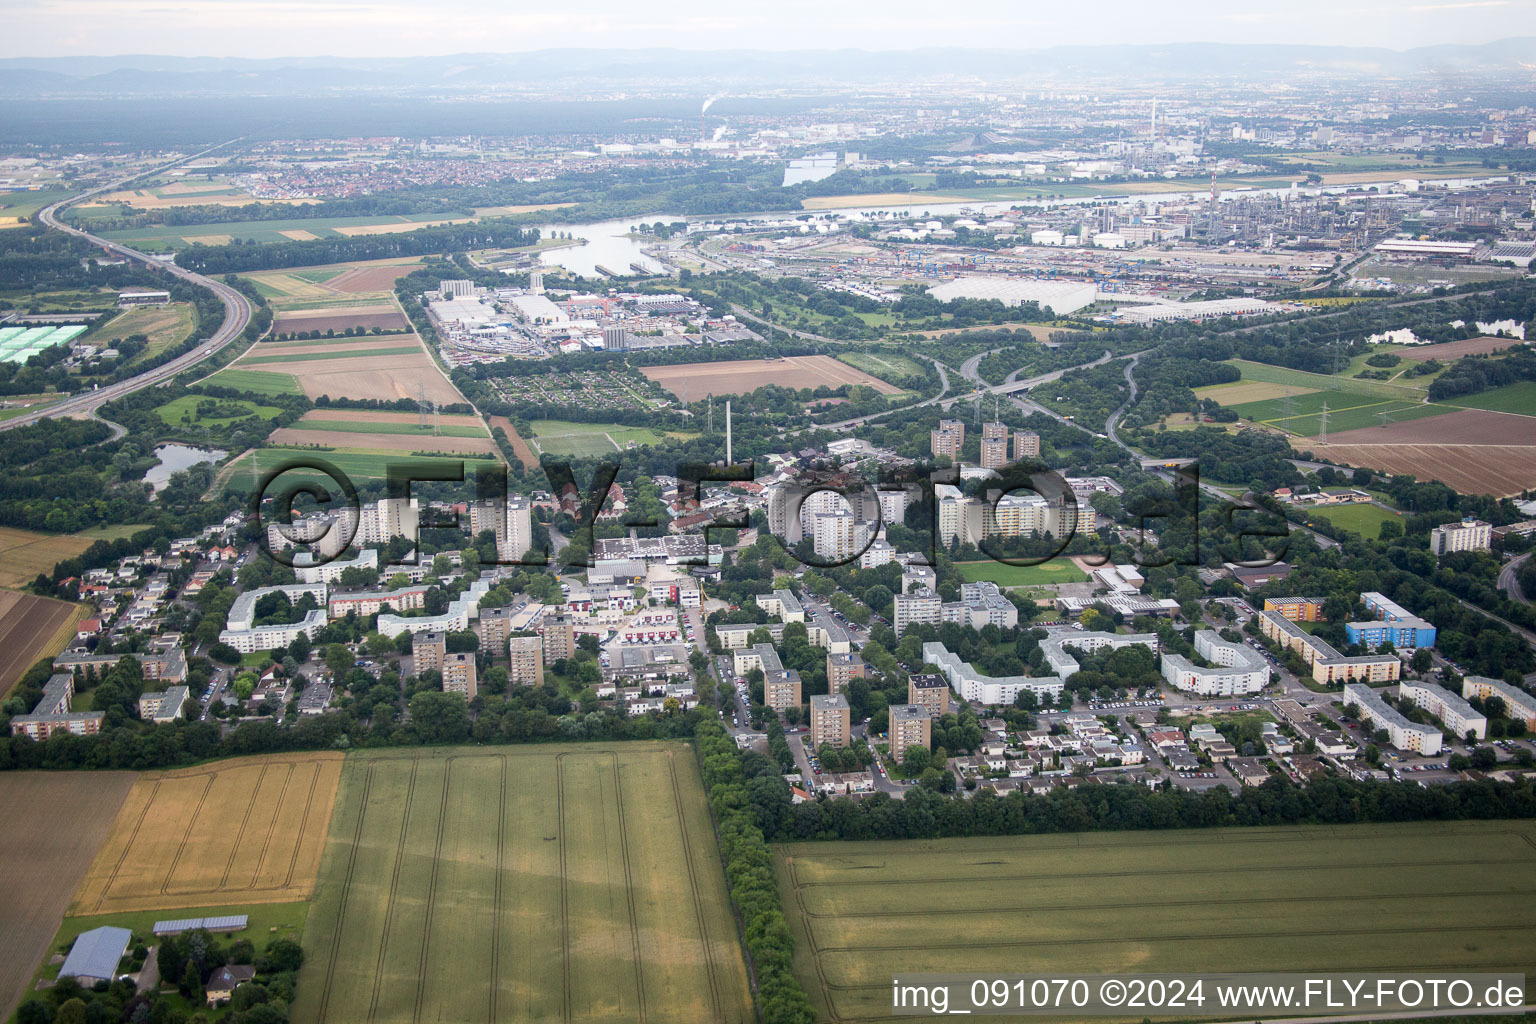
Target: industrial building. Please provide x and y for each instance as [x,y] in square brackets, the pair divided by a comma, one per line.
[1059,297]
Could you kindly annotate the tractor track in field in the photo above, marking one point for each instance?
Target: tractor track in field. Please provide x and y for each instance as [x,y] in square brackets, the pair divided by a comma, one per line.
[437,860]
[693,886]
[565,902]
[132,838]
[501,845]
[245,822]
[629,887]
[394,887]
[346,890]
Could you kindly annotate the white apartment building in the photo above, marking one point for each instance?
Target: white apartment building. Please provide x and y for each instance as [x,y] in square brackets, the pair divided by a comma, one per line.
[1467,535]
[1239,670]
[1401,733]
[1459,716]
[921,608]
[331,571]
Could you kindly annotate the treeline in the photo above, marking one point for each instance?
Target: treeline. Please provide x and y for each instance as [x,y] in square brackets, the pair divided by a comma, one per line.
[1108,808]
[1247,456]
[734,791]
[238,257]
[1472,374]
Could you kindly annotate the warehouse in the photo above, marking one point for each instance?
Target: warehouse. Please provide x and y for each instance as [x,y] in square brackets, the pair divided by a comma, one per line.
[1058,297]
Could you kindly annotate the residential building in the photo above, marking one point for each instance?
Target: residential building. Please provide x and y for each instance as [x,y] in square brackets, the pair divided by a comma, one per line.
[994,452]
[428,651]
[461,612]
[1328,665]
[163,705]
[245,636]
[910,726]
[330,572]
[931,692]
[1460,718]
[922,608]
[977,688]
[838,537]
[459,675]
[52,713]
[981,604]
[783,604]
[1297,609]
[1401,733]
[842,669]
[559,638]
[831,721]
[162,666]
[493,626]
[948,439]
[1518,704]
[223,982]
[781,686]
[1026,445]
[527,661]
[1393,624]
[371,602]
[1467,535]
[1239,670]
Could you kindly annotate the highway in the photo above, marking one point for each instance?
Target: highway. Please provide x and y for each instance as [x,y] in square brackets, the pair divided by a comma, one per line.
[1508,581]
[237,311]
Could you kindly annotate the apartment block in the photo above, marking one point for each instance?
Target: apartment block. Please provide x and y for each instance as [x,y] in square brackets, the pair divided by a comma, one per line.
[1467,535]
[1401,733]
[1026,445]
[1328,665]
[1393,624]
[922,608]
[1459,717]
[910,726]
[948,439]
[493,627]
[994,452]
[559,637]
[843,669]
[1297,609]
[52,714]
[526,667]
[1518,703]
[930,692]
[429,650]
[459,674]
[831,721]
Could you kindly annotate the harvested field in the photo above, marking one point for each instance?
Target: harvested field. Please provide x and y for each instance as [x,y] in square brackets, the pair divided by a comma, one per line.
[24,554]
[1456,349]
[299,235]
[572,882]
[54,824]
[1472,450]
[1462,426]
[1239,392]
[1312,898]
[32,628]
[370,278]
[345,369]
[370,351]
[208,239]
[366,317]
[525,454]
[394,229]
[1500,470]
[423,441]
[743,376]
[381,416]
[248,830]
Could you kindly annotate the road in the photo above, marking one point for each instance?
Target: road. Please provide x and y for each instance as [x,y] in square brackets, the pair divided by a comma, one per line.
[1509,581]
[237,311]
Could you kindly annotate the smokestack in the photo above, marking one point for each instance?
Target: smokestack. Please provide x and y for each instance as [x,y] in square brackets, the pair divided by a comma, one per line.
[728,433]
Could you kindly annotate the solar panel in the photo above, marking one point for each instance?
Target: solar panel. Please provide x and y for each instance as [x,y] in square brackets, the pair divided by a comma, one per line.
[229,923]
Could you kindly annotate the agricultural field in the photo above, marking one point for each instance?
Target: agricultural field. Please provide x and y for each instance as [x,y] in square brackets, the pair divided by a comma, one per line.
[1311,898]
[520,447]
[387,431]
[161,237]
[388,368]
[32,628]
[183,410]
[1364,519]
[1450,350]
[587,440]
[572,882]
[1293,400]
[743,376]
[246,472]
[1512,398]
[17,207]
[1057,570]
[165,326]
[54,823]
[247,830]
[1472,450]
[257,382]
[586,389]
[384,316]
[25,553]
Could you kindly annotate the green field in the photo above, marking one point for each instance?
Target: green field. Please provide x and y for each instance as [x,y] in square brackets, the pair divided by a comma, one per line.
[1351,403]
[1442,896]
[258,382]
[27,203]
[1365,520]
[587,440]
[1057,570]
[883,366]
[161,236]
[356,353]
[173,411]
[1518,398]
[371,427]
[358,465]
[1325,382]
[576,883]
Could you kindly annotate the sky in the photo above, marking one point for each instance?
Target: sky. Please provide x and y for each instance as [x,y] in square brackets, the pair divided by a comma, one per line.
[402,28]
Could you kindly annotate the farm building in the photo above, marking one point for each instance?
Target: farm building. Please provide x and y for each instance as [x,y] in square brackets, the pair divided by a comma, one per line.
[95,955]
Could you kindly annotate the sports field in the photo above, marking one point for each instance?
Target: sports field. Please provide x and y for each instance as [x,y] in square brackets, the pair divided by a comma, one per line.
[32,628]
[1415,897]
[248,830]
[574,883]
[1057,570]
[54,823]
[587,440]
[882,365]
[1365,520]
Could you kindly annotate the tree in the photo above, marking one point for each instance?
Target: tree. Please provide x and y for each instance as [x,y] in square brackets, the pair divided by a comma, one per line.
[282,955]
[192,982]
[71,1011]
[1484,758]
[440,717]
[1421,660]
[338,659]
